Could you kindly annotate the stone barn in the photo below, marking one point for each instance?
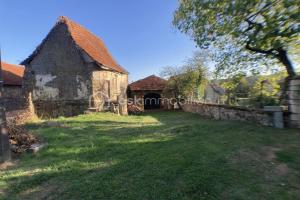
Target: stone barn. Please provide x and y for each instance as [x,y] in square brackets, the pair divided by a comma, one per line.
[12,97]
[72,71]
[148,92]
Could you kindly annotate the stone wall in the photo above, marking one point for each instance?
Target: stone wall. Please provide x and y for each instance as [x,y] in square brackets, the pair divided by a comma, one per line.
[61,77]
[14,99]
[108,85]
[137,98]
[68,108]
[58,77]
[223,112]
[293,97]
[59,72]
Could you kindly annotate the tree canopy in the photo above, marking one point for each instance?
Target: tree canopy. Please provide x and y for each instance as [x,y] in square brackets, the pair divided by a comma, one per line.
[188,80]
[254,29]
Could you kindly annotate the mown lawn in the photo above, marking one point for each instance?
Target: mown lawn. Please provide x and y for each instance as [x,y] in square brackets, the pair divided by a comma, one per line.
[159,155]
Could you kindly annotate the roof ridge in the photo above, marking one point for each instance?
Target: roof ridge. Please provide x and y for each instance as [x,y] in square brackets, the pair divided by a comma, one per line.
[87,41]
[69,22]
[71,25]
[151,82]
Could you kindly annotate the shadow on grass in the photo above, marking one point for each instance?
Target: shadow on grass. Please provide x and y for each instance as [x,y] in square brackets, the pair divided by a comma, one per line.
[171,155]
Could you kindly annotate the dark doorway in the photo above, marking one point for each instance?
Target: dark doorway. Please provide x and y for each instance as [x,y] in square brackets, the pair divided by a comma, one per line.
[152,101]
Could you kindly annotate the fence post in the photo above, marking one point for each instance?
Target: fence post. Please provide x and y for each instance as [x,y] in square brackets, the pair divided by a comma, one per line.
[294,102]
[4,139]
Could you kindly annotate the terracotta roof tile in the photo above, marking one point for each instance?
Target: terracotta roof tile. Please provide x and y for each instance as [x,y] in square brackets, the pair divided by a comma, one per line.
[88,42]
[12,74]
[91,44]
[149,83]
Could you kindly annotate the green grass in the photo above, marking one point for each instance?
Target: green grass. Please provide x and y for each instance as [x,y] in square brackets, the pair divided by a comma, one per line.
[159,155]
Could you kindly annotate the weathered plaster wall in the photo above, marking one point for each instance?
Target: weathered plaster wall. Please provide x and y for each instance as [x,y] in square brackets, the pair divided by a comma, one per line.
[58,77]
[63,79]
[108,85]
[13,98]
[223,112]
[59,70]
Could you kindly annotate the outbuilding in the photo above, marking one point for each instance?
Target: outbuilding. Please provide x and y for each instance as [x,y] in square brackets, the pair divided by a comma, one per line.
[147,93]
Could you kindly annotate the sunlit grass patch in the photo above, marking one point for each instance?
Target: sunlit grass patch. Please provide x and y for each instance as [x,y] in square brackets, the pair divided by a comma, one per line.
[159,155]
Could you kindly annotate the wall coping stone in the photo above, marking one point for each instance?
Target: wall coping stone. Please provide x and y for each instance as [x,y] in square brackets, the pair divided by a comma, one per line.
[275,108]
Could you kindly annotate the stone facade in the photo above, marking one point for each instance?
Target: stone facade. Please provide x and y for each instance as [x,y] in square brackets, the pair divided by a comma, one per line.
[148,93]
[109,85]
[13,98]
[138,98]
[58,78]
[223,112]
[64,77]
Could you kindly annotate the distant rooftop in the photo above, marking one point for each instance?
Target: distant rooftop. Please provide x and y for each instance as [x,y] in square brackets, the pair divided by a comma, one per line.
[12,74]
[149,83]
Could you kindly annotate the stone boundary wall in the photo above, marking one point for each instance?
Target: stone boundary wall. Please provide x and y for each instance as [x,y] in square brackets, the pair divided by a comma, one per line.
[12,104]
[225,112]
[14,99]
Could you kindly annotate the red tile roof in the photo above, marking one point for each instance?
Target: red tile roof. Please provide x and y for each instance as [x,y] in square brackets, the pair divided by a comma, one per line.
[90,44]
[149,83]
[12,74]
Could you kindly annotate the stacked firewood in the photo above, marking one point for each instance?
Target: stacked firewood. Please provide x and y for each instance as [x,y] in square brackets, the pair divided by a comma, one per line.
[134,109]
[20,139]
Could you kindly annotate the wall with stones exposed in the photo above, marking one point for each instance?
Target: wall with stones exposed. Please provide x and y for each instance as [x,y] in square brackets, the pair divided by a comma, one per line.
[136,97]
[13,98]
[58,77]
[293,100]
[223,112]
[63,79]
[109,86]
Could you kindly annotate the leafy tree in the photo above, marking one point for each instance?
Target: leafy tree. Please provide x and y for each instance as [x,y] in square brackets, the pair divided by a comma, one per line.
[266,90]
[265,28]
[188,80]
[235,87]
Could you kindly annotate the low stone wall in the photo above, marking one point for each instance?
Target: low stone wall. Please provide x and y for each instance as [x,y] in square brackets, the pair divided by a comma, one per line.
[224,112]
[12,104]
[14,99]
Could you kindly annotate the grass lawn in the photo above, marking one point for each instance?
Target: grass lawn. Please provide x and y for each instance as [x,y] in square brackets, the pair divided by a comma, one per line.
[159,155]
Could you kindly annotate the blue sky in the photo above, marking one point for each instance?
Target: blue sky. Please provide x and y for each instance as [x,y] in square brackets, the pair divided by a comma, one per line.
[138,33]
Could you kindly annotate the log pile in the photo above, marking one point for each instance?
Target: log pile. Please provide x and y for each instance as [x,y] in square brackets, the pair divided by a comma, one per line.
[20,139]
[134,109]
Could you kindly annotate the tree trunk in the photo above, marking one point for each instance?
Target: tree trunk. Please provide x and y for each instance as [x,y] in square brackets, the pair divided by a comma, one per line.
[283,58]
[280,54]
